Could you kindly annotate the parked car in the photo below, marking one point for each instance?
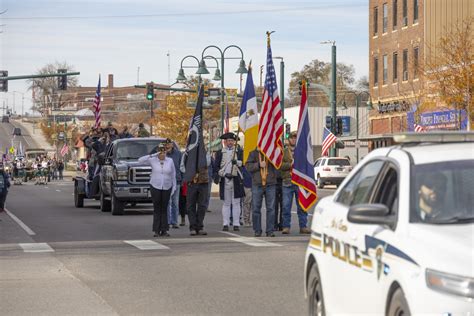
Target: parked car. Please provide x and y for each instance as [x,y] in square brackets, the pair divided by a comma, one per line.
[331,170]
[396,238]
[5,119]
[17,131]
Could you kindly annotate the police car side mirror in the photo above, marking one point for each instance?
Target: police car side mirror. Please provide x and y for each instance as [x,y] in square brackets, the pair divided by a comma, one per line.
[375,214]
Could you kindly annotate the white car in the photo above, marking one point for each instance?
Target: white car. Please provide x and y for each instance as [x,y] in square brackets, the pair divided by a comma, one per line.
[397,237]
[331,170]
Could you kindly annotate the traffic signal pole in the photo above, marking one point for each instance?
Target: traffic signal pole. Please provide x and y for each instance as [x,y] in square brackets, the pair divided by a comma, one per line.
[333,152]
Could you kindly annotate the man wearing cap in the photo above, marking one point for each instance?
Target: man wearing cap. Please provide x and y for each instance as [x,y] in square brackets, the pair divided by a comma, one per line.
[290,190]
[142,132]
[229,177]
[173,207]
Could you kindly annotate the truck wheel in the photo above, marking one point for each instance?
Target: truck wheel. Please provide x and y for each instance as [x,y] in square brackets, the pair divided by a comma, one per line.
[320,183]
[104,203]
[78,198]
[398,304]
[117,206]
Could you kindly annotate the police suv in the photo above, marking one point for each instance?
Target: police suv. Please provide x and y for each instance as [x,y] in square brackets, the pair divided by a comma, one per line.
[397,237]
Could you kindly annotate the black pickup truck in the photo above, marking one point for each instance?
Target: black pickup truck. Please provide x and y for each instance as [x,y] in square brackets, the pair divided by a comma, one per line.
[122,178]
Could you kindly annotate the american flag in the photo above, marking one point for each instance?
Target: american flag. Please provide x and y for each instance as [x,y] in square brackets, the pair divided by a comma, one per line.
[64,150]
[328,140]
[419,129]
[96,106]
[271,123]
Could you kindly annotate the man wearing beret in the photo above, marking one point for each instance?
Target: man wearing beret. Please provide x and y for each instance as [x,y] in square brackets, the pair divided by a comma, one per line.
[228,175]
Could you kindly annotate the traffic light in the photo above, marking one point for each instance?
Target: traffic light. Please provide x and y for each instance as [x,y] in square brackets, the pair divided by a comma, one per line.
[287,130]
[62,80]
[3,82]
[338,126]
[329,123]
[150,93]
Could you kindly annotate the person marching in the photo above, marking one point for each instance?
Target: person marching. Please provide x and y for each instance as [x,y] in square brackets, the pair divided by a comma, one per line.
[263,184]
[4,185]
[162,186]
[290,189]
[173,207]
[229,177]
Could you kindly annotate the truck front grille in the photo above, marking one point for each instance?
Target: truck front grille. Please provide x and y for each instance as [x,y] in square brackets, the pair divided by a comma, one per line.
[140,175]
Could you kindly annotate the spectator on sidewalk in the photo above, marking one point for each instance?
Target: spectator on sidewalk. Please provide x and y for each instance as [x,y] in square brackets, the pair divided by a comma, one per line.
[142,132]
[125,133]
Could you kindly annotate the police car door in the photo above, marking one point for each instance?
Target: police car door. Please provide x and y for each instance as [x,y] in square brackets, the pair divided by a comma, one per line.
[372,240]
[347,256]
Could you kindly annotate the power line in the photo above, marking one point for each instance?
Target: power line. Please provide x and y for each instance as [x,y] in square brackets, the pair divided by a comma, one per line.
[132,16]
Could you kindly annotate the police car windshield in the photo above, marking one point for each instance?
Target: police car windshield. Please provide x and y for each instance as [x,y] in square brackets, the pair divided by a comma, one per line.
[442,193]
[132,150]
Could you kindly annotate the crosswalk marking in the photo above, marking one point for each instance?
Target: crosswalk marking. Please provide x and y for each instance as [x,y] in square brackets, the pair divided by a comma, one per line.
[146,244]
[254,242]
[36,247]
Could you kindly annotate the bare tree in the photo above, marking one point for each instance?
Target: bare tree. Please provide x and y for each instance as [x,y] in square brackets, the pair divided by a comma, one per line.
[46,90]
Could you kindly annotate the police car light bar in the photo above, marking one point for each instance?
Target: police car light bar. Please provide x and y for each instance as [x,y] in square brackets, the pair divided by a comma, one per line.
[434,137]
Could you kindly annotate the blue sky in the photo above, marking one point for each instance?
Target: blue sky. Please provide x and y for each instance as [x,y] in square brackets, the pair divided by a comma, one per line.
[118,36]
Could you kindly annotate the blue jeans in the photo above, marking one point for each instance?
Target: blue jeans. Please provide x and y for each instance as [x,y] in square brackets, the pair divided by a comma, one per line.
[258,192]
[288,193]
[173,207]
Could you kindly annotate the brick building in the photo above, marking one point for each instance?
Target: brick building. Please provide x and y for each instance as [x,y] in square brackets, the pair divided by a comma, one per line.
[114,100]
[402,35]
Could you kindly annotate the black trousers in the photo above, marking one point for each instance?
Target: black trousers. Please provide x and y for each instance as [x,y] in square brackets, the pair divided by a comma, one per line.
[160,200]
[196,205]
[182,205]
[279,205]
[3,197]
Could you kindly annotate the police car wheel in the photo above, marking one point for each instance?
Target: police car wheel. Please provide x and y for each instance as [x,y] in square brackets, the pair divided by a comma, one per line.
[398,304]
[315,293]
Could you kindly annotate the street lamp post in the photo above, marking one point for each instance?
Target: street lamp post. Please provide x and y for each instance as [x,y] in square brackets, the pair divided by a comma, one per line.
[22,100]
[241,70]
[369,106]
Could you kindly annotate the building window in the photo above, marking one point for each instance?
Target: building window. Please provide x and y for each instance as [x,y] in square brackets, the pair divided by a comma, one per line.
[376,20]
[385,69]
[395,67]
[415,62]
[405,13]
[395,13]
[405,65]
[385,18]
[415,11]
[376,71]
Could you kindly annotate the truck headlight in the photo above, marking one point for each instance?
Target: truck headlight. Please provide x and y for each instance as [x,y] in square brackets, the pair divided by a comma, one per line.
[121,174]
[450,283]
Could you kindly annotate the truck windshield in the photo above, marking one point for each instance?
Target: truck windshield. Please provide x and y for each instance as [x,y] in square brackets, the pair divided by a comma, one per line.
[134,149]
[442,193]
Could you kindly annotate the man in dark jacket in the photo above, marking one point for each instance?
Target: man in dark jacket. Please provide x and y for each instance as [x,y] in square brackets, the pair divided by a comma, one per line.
[228,175]
[4,185]
[259,166]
